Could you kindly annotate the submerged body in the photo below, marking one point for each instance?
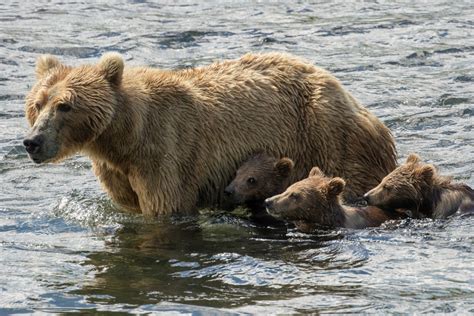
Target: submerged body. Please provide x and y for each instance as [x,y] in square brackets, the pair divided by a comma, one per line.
[315,202]
[163,142]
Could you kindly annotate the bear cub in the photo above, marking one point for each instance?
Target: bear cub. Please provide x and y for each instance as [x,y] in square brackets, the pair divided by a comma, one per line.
[259,177]
[316,202]
[419,188]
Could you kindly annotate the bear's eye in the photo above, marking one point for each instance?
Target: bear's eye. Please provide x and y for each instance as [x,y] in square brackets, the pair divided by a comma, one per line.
[64,107]
[251,180]
[294,196]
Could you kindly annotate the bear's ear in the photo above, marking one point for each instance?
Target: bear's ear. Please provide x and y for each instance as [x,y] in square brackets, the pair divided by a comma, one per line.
[413,158]
[284,166]
[315,172]
[111,64]
[426,172]
[45,63]
[335,186]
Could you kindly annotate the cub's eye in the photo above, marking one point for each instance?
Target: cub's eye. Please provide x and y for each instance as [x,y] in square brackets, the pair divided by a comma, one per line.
[64,107]
[294,196]
[251,180]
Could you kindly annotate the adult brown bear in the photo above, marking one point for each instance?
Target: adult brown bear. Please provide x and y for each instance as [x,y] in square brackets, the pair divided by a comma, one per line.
[166,141]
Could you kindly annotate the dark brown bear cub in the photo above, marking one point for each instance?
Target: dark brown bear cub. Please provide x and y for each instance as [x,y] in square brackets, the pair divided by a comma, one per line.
[418,187]
[315,202]
[260,177]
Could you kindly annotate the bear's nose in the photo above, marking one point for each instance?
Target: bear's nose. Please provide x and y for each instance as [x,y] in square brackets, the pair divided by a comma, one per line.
[33,145]
[228,191]
[366,197]
[268,203]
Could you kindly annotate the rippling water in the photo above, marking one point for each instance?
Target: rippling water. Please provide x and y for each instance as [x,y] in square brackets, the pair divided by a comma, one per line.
[64,247]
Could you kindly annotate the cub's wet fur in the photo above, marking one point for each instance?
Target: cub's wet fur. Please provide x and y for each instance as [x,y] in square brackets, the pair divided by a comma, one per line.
[419,188]
[315,202]
[259,177]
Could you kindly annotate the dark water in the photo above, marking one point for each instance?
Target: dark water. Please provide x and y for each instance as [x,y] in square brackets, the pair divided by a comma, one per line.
[64,248]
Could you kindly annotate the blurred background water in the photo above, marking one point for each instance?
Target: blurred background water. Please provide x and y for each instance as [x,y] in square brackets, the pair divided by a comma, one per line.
[64,247]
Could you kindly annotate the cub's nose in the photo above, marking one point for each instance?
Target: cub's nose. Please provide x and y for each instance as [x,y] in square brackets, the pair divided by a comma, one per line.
[33,145]
[228,191]
[268,203]
[366,197]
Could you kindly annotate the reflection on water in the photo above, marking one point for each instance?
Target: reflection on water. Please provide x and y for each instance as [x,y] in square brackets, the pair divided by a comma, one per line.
[65,248]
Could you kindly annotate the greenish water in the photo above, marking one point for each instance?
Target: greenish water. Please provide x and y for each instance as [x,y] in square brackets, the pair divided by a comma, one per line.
[64,248]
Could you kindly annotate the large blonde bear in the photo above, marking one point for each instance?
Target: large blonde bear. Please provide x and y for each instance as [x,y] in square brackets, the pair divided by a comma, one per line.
[168,141]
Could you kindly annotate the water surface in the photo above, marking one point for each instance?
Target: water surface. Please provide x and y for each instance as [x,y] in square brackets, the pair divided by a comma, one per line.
[65,248]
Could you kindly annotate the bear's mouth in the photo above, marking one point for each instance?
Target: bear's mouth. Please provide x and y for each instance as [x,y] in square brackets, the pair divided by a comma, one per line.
[36,159]
[272,212]
[39,159]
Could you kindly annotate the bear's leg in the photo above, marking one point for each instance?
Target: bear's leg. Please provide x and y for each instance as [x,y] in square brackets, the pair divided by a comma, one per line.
[162,193]
[156,195]
[118,187]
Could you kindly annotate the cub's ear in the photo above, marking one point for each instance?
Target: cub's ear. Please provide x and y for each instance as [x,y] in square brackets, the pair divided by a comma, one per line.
[45,63]
[284,166]
[315,172]
[111,64]
[426,172]
[335,187]
[413,158]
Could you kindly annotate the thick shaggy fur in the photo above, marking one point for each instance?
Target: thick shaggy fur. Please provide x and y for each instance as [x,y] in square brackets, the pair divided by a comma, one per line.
[167,141]
[418,187]
[315,202]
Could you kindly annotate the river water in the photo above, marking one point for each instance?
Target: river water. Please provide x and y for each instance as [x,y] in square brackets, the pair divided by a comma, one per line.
[63,247]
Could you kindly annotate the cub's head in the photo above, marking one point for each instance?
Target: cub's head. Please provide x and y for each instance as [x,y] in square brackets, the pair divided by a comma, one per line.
[310,199]
[403,187]
[69,107]
[260,177]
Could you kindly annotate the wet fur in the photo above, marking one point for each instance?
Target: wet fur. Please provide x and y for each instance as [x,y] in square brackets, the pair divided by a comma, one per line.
[316,203]
[446,198]
[168,141]
[271,176]
[418,187]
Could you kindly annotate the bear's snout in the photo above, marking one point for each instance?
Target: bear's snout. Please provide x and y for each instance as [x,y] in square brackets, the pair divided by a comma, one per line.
[229,191]
[33,144]
[367,197]
[268,203]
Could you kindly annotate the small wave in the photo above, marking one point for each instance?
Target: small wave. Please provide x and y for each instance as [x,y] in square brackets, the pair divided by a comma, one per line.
[341,254]
[187,38]
[447,100]
[9,97]
[80,52]
[464,78]
[342,30]
[246,270]
[8,62]
[93,212]
[267,40]
[15,152]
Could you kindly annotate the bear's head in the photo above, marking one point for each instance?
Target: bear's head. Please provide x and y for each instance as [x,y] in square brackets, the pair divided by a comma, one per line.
[310,200]
[69,107]
[260,177]
[403,188]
